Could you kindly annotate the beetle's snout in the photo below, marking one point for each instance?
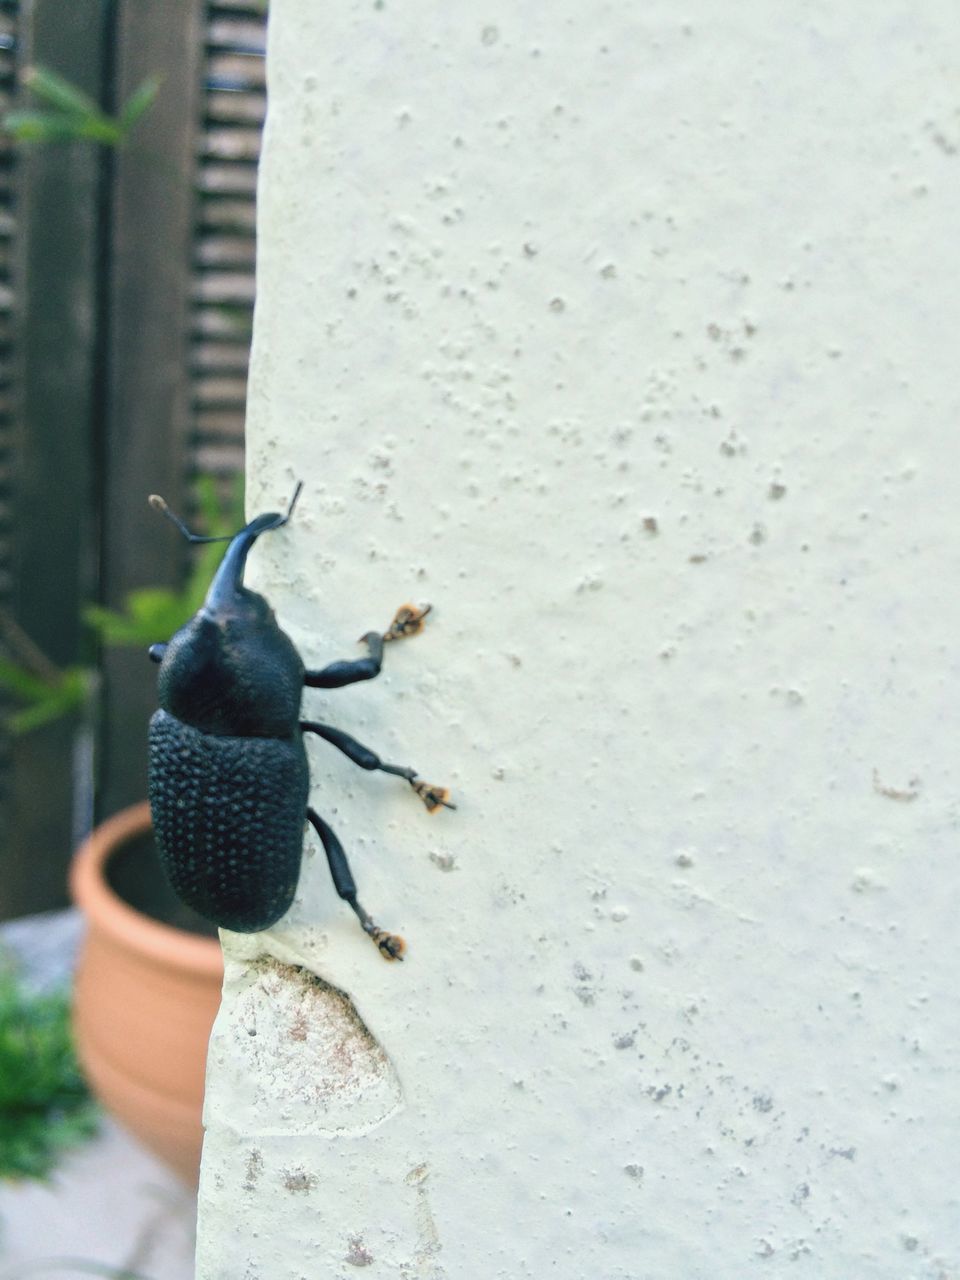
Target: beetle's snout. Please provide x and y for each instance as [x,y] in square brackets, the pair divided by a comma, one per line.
[228,580]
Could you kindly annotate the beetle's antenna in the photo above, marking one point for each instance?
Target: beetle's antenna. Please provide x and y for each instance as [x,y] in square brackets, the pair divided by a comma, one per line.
[282,520]
[261,524]
[159,504]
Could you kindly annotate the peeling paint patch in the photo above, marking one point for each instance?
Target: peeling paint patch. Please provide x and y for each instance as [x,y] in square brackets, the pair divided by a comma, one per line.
[253,1170]
[299,1180]
[426,1259]
[358,1255]
[445,861]
[313,1065]
[906,795]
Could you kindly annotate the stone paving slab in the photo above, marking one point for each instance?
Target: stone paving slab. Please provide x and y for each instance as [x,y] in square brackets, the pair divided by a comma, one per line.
[109,1203]
[45,947]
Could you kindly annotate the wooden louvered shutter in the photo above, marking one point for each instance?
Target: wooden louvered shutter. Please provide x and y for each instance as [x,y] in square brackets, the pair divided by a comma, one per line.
[234,102]
[184,221]
[125,317]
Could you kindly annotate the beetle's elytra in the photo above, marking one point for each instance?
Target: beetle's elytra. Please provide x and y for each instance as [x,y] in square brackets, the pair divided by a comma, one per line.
[228,776]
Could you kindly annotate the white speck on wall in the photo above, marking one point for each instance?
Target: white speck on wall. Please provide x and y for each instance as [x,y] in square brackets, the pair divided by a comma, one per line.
[625,336]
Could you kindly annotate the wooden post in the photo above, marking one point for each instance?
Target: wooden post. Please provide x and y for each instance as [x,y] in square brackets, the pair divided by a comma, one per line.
[624,336]
[149,404]
[51,473]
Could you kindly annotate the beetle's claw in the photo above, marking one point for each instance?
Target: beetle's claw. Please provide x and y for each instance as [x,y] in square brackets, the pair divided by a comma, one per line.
[433,797]
[407,621]
[391,945]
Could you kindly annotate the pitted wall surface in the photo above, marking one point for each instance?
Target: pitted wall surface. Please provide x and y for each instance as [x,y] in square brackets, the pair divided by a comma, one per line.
[626,337]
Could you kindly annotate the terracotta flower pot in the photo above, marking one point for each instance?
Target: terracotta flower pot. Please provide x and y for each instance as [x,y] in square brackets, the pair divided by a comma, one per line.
[145,997]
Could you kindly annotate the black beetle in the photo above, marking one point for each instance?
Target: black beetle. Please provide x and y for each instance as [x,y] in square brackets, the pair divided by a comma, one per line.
[228,775]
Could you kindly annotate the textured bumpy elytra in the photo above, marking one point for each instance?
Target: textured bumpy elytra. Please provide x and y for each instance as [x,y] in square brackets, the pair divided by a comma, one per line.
[229,817]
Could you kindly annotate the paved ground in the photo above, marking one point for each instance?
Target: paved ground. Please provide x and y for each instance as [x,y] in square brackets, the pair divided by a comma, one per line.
[110,1203]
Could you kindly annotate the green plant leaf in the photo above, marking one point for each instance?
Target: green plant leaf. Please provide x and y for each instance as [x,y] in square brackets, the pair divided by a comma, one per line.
[112,626]
[220,520]
[240,319]
[153,614]
[99,129]
[58,92]
[151,605]
[76,116]
[58,126]
[53,701]
[22,682]
[209,504]
[139,101]
[44,1104]
[39,126]
[149,615]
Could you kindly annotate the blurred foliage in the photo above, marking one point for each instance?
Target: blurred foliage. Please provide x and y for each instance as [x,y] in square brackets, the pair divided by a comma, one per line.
[240,319]
[149,615]
[44,1104]
[73,115]
[155,613]
[47,698]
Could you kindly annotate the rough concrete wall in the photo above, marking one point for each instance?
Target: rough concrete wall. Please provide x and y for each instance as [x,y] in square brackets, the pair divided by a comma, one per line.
[626,335]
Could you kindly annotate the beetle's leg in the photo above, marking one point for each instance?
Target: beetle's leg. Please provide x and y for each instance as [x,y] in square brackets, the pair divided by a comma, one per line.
[156,652]
[349,670]
[391,945]
[433,797]
[407,621]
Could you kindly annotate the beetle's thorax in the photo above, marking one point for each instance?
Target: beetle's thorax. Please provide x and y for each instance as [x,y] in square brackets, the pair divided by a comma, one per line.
[231,670]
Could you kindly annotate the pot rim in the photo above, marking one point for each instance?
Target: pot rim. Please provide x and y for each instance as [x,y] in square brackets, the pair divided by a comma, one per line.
[106,911]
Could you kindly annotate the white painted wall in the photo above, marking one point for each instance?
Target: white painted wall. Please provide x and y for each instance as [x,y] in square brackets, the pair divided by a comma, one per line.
[627,336]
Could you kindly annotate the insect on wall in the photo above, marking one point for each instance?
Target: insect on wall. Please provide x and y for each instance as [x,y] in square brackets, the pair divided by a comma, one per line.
[228,773]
